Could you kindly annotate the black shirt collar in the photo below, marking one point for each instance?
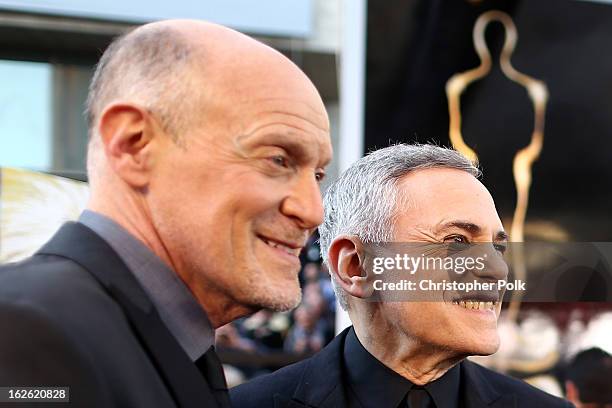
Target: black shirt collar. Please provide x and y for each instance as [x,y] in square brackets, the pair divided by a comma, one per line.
[376,385]
[445,391]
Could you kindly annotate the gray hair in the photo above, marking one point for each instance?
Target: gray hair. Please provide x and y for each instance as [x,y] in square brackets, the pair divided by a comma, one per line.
[364,200]
[148,66]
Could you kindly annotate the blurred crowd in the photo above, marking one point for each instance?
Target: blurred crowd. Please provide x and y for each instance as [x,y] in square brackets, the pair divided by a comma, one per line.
[563,349]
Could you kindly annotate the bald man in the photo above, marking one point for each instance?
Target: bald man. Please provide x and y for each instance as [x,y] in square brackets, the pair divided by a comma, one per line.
[205,156]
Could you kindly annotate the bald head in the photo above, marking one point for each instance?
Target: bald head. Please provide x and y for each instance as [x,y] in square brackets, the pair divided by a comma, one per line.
[169,67]
[144,67]
[185,72]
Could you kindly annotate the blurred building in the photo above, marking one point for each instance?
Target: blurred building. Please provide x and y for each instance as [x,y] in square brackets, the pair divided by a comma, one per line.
[48,51]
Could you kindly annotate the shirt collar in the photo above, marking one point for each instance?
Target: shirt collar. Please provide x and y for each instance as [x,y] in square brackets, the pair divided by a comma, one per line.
[376,385]
[373,383]
[445,391]
[177,307]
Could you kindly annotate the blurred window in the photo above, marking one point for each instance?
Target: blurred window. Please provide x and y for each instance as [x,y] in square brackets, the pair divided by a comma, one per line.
[42,126]
[25,115]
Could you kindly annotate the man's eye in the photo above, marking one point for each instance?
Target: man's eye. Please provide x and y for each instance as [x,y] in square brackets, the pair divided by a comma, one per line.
[457,242]
[280,161]
[319,175]
[457,239]
[501,247]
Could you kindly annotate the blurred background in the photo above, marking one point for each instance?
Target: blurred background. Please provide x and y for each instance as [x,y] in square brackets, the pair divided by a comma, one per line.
[383,71]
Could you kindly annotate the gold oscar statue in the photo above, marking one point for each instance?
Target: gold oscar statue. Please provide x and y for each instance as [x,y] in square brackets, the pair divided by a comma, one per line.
[524,158]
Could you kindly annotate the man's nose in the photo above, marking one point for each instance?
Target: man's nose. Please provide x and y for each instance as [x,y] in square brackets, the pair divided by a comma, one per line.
[304,203]
[495,266]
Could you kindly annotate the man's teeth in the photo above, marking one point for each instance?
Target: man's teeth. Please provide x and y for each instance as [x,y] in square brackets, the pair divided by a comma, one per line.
[475,305]
[289,250]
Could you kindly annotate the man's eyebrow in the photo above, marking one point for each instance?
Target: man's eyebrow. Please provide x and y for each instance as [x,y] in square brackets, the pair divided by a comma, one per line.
[295,147]
[472,228]
[464,225]
[326,161]
[300,150]
[502,236]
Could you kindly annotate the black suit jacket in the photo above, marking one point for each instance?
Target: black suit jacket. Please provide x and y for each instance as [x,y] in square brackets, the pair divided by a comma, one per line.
[319,382]
[74,315]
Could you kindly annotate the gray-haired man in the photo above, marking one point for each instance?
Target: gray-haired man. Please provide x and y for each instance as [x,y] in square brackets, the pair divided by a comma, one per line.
[402,354]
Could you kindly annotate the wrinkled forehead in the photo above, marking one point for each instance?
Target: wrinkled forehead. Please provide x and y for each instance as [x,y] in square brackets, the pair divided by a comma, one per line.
[256,103]
[428,196]
[278,89]
[239,69]
[248,89]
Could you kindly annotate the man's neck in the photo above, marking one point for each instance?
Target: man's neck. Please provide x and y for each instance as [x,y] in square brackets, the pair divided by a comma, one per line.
[132,216]
[419,363]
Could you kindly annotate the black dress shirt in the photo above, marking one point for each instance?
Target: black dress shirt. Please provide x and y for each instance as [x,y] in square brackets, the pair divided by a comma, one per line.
[371,384]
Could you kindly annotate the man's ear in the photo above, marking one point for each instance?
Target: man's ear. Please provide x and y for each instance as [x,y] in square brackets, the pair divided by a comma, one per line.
[127,132]
[571,391]
[346,263]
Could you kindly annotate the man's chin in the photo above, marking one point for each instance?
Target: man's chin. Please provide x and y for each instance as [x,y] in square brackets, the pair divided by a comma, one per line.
[483,346]
[278,299]
[290,304]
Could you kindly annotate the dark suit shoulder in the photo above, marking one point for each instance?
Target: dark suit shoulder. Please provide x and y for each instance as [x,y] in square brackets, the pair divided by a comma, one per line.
[66,295]
[34,351]
[41,307]
[58,312]
[260,392]
[526,394]
[60,288]
[47,278]
[315,381]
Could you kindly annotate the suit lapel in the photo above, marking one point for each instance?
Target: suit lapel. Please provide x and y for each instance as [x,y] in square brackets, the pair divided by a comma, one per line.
[284,402]
[478,392]
[505,401]
[78,243]
[321,384]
